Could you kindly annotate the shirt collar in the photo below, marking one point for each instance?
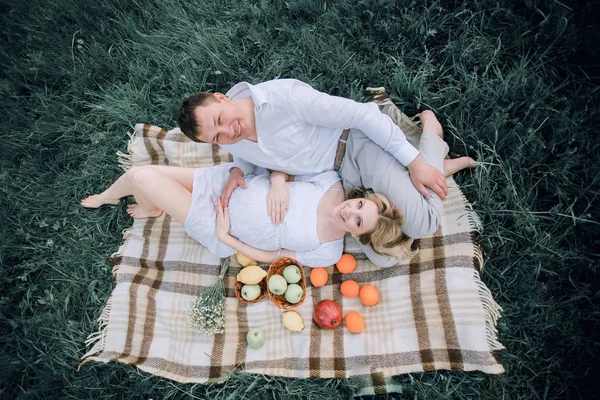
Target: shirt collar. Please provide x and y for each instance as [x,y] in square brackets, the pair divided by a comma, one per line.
[244,89]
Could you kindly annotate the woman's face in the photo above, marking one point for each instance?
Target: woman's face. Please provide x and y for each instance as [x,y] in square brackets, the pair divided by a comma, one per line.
[356,216]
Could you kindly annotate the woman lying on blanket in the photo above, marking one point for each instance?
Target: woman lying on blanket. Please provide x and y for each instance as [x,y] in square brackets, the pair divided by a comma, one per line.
[313,231]
[318,215]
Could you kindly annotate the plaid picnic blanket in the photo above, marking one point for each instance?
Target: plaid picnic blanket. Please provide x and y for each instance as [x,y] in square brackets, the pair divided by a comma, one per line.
[434,311]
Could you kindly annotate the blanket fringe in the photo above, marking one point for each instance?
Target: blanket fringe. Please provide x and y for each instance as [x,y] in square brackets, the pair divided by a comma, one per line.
[474,220]
[478,255]
[492,313]
[98,338]
[119,253]
[126,235]
[126,159]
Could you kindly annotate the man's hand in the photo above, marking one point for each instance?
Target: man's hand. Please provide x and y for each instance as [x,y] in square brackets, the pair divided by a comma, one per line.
[278,199]
[425,176]
[236,178]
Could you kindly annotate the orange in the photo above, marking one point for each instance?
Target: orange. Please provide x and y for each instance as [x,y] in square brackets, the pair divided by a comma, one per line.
[369,296]
[349,288]
[354,322]
[318,276]
[346,264]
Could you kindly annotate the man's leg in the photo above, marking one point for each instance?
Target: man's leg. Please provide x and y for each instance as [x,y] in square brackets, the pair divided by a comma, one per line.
[368,165]
[411,126]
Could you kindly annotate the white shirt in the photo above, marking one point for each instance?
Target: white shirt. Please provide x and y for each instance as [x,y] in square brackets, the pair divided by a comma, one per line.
[298,128]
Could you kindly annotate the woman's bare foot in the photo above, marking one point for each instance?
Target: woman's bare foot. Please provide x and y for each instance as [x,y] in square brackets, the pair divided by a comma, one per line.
[452,166]
[97,200]
[138,212]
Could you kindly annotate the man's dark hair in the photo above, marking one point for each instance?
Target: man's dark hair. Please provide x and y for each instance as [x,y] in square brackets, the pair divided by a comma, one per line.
[186,117]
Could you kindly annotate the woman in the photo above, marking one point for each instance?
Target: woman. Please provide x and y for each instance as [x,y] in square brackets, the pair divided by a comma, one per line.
[317,219]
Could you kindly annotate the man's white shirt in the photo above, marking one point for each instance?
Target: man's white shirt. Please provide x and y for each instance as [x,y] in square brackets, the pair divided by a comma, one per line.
[298,128]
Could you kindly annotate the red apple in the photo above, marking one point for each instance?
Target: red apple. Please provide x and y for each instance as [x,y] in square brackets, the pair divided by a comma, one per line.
[327,314]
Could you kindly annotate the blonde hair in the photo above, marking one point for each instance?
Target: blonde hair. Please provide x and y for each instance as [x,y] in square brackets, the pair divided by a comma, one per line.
[387,238]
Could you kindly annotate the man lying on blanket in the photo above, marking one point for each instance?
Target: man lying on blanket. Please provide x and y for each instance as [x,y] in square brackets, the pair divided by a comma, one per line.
[288,126]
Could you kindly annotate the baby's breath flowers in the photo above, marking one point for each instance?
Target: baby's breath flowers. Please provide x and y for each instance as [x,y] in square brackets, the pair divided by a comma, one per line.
[207,315]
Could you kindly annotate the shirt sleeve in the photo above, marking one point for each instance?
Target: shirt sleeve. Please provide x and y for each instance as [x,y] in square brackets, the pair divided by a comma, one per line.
[324,255]
[318,108]
[377,259]
[242,164]
[324,179]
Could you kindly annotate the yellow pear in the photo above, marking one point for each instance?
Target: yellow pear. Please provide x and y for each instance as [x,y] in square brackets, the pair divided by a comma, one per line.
[244,260]
[251,275]
[293,321]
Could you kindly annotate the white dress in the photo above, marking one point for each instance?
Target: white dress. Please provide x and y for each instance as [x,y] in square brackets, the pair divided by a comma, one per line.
[250,221]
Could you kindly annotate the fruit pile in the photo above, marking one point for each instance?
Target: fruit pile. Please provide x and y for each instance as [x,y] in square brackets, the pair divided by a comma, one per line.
[327,313]
[251,277]
[286,287]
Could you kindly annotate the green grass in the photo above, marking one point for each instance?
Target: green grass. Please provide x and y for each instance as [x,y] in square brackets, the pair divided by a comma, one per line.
[515,84]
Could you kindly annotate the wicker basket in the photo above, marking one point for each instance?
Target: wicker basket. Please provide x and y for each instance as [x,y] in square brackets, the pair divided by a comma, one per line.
[277,267]
[237,288]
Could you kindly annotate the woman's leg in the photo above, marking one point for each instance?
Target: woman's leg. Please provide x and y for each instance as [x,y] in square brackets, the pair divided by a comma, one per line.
[155,188]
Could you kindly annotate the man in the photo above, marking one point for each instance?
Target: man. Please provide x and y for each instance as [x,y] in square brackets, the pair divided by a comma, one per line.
[288,126]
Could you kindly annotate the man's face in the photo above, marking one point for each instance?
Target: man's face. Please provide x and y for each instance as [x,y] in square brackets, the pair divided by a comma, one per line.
[224,121]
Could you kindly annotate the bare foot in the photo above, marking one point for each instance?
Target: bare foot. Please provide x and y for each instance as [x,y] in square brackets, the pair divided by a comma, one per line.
[97,200]
[454,165]
[138,212]
[430,123]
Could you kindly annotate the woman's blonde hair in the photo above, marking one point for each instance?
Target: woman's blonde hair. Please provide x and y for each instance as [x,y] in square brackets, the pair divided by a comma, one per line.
[387,238]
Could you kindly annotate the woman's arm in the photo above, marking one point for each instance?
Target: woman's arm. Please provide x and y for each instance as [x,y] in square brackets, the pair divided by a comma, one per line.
[223,235]
[264,256]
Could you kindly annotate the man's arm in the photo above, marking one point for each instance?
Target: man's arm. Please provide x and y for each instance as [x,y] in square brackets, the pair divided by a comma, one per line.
[336,112]
[238,170]
[377,259]
[243,165]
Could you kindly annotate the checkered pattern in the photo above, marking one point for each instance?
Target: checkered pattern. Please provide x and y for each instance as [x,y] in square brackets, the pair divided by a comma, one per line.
[434,311]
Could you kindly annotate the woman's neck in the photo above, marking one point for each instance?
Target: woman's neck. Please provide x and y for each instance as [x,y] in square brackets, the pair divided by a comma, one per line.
[327,229]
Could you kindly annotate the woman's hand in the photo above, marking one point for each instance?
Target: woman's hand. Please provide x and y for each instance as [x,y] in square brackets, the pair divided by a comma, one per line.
[223,223]
[278,198]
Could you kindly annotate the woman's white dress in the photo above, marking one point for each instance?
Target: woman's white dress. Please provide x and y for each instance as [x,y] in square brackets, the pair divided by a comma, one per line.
[250,221]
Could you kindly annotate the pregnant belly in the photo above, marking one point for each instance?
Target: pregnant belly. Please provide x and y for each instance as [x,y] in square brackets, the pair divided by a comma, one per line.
[248,215]
[251,223]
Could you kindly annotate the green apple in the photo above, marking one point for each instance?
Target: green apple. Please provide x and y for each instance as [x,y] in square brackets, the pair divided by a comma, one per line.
[250,292]
[255,338]
[292,274]
[277,284]
[294,293]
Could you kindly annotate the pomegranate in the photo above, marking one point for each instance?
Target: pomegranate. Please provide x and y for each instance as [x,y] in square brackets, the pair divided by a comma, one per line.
[327,314]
